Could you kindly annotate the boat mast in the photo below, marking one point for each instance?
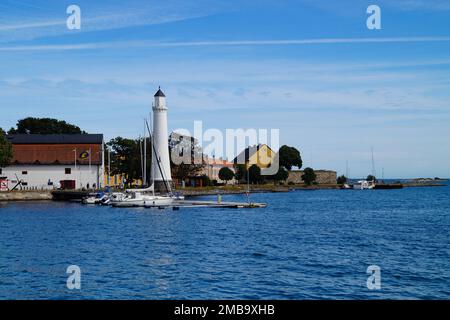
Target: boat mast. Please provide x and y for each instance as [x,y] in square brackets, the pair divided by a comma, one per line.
[145,156]
[374,173]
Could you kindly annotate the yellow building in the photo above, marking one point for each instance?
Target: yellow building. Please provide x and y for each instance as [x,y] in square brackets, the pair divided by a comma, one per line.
[261,155]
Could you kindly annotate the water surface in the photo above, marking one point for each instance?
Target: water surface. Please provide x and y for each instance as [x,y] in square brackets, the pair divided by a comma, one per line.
[304,245]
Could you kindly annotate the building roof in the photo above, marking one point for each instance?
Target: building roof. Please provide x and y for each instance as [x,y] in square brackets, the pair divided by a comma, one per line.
[246,154]
[159,93]
[55,138]
[57,154]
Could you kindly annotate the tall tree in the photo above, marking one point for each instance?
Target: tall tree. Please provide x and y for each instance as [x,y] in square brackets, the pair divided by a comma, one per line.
[309,176]
[290,157]
[6,152]
[188,160]
[126,158]
[44,126]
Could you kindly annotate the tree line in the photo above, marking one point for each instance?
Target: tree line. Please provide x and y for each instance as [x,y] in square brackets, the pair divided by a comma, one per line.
[125,156]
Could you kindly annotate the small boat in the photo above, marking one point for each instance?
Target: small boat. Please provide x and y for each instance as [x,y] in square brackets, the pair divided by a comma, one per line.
[95,198]
[364,185]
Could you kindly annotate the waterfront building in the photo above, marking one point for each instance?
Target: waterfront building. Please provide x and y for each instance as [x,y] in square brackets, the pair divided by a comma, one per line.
[71,161]
[261,155]
[213,166]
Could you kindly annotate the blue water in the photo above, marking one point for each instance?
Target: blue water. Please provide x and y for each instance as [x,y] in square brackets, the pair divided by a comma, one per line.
[305,245]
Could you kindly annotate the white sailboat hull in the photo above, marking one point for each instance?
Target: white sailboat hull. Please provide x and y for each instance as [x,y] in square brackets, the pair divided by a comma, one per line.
[158,201]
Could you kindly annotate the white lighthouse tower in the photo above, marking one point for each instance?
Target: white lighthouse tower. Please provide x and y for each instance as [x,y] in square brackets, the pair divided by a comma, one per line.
[160,169]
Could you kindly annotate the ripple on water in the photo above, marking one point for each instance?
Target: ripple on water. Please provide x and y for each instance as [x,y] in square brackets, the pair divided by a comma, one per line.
[304,245]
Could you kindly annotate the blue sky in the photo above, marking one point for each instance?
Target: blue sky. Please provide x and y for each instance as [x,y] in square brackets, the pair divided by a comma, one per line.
[310,68]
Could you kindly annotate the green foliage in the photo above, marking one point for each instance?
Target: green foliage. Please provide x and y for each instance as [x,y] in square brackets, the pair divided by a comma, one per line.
[184,170]
[241,172]
[206,182]
[226,174]
[309,176]
[44,126]
[6,152]
[289,157]
[281,175]
[371,178]
[341,180]
[254,173]
[126,158]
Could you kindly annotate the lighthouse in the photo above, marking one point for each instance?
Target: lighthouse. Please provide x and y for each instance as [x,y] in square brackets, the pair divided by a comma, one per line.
[161,168]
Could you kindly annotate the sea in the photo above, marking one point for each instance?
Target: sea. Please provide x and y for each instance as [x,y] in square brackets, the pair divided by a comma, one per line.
[318,244]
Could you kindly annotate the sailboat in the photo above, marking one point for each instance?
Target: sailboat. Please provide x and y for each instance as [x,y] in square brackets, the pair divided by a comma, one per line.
[146,197]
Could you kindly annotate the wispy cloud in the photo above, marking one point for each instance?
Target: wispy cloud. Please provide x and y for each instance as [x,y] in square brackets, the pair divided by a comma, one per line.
[17,26]
[149,44]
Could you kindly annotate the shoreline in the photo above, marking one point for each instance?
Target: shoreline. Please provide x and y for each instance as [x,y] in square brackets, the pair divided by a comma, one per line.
[13,196]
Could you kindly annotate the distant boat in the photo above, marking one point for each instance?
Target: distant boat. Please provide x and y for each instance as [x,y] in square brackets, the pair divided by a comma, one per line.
[95,198]
[364,185]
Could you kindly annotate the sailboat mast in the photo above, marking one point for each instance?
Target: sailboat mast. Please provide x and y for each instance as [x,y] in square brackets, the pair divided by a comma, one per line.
[145,156]
[373,164]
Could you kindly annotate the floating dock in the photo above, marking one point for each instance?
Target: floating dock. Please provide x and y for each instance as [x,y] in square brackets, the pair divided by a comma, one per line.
[216,204]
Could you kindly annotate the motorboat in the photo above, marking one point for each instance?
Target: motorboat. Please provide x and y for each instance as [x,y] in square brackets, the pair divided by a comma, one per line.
[364,185]
[95,198]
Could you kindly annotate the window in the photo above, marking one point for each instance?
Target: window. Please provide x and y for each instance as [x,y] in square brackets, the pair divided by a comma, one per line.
[24,172]
[24,184]
[68,171]
[1,171]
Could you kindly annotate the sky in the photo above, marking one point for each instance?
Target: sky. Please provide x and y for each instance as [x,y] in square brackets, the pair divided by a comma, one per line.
[311,69]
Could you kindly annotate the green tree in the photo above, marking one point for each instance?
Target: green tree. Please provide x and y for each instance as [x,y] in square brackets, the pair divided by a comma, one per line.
[226,174]
[289,157]
[254,173]
[126,158]
[206,181]
[341,180]
[371,178]
[281,175]
[309,176]
[45,126]
[241,172]
[6,152]
[194,163]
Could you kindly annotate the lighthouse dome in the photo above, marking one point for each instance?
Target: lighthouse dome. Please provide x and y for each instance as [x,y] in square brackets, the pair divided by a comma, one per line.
[159,93]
